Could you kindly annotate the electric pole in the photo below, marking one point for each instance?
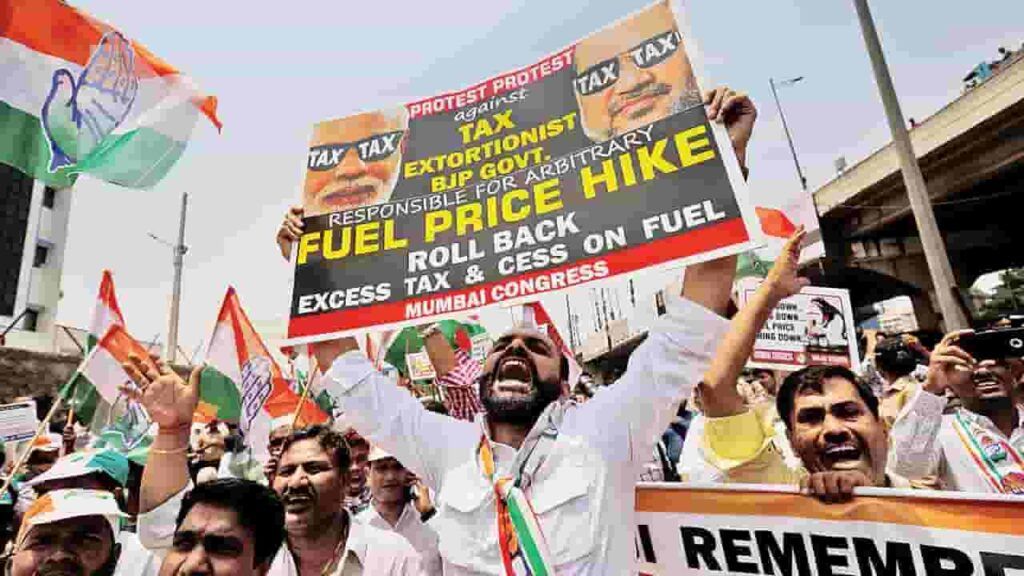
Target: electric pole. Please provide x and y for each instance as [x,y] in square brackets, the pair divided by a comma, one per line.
[179,256]
[935,255]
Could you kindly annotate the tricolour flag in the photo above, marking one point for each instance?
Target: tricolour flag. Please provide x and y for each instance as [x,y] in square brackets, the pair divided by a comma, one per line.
[93,392]
[78,96]
[106,312]
[534,314]
[242,383]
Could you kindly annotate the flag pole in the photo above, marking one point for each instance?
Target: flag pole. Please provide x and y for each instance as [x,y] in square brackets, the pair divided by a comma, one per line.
[313,367]
[24,455]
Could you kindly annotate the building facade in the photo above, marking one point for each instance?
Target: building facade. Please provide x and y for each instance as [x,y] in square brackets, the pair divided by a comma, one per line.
[33,235]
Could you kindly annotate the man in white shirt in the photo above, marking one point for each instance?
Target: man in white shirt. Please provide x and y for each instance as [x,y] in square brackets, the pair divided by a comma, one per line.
[391,508]
[581,488]
[565,472]
[311,479]
[978,447]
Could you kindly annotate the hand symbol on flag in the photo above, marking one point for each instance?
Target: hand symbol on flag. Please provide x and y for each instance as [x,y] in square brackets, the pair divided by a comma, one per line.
[78,115]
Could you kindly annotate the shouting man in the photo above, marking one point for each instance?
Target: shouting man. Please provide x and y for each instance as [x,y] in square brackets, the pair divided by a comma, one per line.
[311,479]
[572,468]
[831,416]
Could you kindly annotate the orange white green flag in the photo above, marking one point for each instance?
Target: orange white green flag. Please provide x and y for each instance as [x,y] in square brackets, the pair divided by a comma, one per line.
[79,96]
[94,394]
[243,383]
[105,312]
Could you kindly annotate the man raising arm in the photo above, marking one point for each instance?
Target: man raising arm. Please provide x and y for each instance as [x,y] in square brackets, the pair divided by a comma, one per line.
[311,479]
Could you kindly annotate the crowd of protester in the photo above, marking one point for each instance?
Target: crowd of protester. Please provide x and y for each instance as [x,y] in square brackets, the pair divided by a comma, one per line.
[518,465]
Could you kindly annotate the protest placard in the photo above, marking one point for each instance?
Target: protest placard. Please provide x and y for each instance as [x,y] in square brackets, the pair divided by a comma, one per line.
[815,326]
[18,421]
[420,367]
[595,161]
[772,530]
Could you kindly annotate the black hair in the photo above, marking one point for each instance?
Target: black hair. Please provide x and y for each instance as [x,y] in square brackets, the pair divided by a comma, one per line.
[332,442]
[434,405]
[256,506]
[813,377]
[892,355]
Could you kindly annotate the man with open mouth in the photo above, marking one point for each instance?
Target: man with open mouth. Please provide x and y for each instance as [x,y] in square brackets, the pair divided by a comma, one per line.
[831,416]
[978,447]
[537,472]
[571,468]
[311,480]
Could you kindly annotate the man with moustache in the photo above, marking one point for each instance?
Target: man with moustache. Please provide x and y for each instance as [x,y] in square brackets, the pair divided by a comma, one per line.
[354,161]
[831,417]
[632,74]
[68,532]
[311,479]
[978,447]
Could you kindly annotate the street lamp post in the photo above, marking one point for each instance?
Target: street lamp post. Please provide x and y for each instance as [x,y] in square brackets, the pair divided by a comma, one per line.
[785,126]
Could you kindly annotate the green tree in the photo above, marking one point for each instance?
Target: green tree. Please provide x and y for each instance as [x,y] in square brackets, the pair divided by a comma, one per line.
[1008,297]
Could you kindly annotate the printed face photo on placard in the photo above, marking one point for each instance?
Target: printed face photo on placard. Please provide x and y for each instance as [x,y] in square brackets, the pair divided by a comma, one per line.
[354,161]
[632,74]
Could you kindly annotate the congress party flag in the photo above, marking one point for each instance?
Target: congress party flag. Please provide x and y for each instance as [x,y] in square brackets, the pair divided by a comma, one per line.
[242,383]
[534,314]
[79,96]
[106,312]
[93,392]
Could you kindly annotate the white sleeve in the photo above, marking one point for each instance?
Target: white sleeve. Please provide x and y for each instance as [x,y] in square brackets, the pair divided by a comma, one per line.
[914,439]
[389,417]
[627,419]
[156,527]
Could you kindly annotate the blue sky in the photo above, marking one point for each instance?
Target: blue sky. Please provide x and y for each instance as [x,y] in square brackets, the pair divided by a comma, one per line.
[279,67]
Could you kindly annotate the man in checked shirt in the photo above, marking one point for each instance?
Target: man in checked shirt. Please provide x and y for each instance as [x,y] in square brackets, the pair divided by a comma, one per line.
[457,374]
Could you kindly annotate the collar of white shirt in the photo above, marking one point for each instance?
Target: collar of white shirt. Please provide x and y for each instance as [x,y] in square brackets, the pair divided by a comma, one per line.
[1016,436]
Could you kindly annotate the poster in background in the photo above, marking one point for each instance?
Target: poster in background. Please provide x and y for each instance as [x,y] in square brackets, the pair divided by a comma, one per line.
[815,326]
[18,421]
[420,367]
[772,530]
[595,161]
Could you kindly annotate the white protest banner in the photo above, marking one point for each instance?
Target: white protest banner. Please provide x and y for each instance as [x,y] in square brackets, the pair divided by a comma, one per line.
[773,530]
[815,326]
[18,421]
[419,365]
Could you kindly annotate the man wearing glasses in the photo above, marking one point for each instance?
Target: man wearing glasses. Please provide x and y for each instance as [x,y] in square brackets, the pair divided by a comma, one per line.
[354,161]
[632,74]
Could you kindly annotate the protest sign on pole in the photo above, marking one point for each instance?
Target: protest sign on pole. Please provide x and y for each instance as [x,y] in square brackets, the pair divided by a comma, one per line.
[815,326]
[595,161]
[773,530]
[17,421]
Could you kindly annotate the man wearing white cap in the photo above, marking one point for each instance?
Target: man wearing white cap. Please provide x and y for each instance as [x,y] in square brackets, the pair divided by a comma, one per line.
[391,508]
[45,449]
[68,532]
[104,471]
